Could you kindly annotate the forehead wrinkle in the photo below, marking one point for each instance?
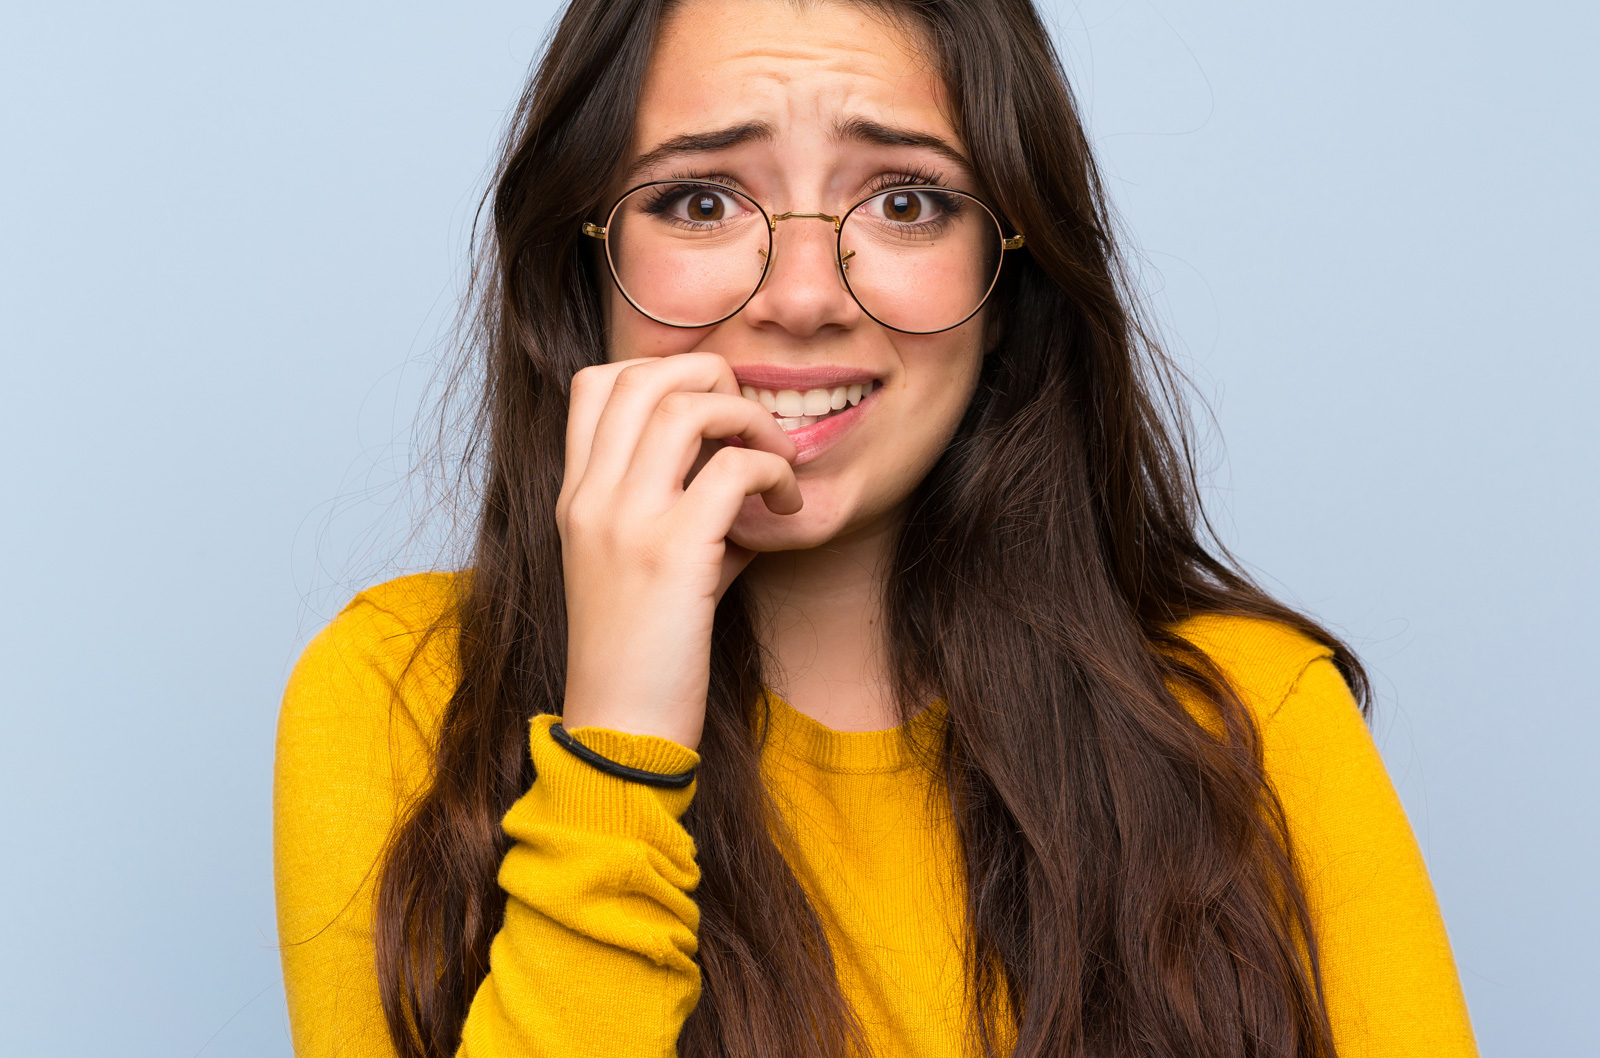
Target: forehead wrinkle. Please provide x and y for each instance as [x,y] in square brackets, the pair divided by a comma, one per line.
[867,80]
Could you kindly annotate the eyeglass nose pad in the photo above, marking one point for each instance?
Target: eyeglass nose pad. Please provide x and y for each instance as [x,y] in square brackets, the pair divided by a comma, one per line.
[842,265]
[766,270]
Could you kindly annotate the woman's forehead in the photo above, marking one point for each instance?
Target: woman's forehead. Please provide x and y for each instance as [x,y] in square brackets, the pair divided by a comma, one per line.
[802,74]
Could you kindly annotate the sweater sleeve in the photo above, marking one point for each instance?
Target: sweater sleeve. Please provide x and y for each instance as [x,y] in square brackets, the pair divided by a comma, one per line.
[596,951]
[596,955]
[1390,980]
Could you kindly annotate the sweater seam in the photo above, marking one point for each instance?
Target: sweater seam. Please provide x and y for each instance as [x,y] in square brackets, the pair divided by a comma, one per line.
[1294,685]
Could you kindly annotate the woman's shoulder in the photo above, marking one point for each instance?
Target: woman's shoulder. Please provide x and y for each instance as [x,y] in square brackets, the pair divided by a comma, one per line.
[355,747]
[416,602]
[1263,660]
[389,653]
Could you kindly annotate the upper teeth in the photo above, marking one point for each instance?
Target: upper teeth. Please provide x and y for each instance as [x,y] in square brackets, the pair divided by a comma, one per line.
[794,403]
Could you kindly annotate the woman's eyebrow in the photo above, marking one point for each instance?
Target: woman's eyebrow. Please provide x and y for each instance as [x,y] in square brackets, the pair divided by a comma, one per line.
[868,131]
[700,142]
[861,129]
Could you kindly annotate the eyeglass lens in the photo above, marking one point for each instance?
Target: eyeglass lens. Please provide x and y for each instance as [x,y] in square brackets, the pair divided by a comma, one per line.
[916,259]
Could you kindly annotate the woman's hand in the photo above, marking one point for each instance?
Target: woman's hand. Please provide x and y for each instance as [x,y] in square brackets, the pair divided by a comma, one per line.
[644,558]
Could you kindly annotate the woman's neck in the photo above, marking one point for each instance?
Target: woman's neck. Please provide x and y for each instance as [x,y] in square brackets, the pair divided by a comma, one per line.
[819,613]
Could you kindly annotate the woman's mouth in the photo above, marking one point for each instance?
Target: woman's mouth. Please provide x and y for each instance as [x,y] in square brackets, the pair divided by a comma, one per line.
[796,409]
[816,417]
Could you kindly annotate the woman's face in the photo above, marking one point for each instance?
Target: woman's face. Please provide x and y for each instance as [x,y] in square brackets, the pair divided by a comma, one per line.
[823,104]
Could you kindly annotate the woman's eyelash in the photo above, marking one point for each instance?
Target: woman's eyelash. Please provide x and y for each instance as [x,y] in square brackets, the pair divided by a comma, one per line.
[671,189]
[909,178]
[695,175]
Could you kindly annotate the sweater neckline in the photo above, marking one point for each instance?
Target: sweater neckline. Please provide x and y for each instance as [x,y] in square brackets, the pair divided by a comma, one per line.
[797,735]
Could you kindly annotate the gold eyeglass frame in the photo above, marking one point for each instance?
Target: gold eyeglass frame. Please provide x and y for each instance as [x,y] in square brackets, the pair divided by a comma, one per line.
[841,257]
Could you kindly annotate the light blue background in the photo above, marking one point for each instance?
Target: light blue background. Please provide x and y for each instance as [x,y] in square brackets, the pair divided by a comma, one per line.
[230,241]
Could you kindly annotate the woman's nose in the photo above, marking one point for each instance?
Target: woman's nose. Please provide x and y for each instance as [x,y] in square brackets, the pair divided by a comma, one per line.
[803,291]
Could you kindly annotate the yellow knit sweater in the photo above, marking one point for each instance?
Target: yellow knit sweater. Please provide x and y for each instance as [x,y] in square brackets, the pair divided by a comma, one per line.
[596,954]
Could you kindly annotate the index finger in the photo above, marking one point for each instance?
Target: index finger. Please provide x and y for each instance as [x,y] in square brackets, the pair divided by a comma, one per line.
[591,388]
[635,395]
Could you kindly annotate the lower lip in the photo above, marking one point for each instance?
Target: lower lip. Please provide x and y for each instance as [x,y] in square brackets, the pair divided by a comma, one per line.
[814,439]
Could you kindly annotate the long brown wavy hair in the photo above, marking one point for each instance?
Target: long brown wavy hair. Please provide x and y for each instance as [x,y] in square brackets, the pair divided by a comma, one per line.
[1130,889]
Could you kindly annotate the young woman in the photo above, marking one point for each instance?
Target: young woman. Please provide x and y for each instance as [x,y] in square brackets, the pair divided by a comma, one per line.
[837,543]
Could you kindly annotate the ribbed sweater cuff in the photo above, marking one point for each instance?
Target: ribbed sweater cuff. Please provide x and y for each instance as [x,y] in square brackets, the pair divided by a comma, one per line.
[577,794]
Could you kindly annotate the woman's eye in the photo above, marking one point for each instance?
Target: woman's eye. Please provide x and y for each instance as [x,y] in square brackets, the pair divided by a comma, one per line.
[907,206]
[704,206]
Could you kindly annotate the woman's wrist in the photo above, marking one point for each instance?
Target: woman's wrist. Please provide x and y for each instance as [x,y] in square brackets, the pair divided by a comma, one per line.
[590,706]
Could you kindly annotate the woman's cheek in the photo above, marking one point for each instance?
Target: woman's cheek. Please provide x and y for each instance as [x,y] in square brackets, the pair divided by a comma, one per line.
[631,335]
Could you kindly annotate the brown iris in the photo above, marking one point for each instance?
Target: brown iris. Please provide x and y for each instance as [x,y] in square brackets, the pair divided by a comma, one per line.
[705,207]
[902,206]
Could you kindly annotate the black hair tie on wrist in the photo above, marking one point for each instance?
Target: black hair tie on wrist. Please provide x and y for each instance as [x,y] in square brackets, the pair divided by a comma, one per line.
[675,781]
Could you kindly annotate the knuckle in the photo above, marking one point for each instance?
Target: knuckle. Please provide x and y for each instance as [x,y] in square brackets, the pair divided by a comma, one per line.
[736,463]
[597,524]
[630,377]
[581,514]
[587,378]
[676,405]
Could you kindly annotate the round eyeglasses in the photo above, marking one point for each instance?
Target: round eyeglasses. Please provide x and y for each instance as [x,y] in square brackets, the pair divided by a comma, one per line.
[690,253]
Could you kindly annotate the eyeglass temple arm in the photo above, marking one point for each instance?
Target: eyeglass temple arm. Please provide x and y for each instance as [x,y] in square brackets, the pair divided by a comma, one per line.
[594,231]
